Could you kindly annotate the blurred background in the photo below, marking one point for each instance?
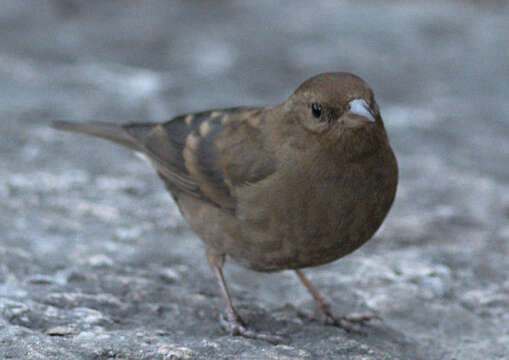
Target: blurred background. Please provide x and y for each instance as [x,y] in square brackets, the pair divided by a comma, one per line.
[95,260]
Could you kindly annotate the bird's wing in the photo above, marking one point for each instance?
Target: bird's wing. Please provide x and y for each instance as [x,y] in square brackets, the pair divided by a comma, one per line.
[205,155]
[220,150]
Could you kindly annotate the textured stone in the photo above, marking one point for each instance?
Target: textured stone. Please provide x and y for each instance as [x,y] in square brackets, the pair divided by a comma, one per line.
[97,263]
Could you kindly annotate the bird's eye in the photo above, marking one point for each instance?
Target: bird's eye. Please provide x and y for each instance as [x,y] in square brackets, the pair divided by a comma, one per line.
[316,110]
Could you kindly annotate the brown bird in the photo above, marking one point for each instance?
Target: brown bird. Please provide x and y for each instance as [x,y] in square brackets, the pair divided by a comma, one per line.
[280,187]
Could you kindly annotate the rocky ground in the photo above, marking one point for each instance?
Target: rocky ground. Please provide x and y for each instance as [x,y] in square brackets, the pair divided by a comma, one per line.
[97,263]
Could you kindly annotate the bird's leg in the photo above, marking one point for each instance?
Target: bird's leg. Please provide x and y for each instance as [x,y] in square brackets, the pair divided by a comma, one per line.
[216,262]
[232,321]
[344,322]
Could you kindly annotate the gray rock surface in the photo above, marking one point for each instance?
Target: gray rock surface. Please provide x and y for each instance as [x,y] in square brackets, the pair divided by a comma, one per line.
[97,263]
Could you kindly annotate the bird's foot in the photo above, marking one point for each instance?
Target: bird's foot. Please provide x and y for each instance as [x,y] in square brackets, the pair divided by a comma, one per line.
[234,324]
[350,323]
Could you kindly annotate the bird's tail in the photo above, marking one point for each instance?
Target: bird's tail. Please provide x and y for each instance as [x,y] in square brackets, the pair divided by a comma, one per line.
[120,134]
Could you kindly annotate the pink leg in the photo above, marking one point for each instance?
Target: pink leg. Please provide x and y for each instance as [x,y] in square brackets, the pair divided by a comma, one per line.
[345,322]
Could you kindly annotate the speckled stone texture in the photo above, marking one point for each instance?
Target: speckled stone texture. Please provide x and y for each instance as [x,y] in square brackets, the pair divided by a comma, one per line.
[97,263]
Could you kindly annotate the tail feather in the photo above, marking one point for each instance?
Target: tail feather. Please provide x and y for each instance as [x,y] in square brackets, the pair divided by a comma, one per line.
[145,139]
[112,132]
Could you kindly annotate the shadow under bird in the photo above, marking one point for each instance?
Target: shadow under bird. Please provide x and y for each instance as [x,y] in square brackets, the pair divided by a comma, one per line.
[290,186]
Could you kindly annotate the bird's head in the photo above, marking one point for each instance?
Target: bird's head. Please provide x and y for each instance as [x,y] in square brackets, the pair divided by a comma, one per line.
[339,110]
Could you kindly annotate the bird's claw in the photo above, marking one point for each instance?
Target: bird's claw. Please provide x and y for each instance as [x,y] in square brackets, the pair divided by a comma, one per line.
[349,322]
[236,327]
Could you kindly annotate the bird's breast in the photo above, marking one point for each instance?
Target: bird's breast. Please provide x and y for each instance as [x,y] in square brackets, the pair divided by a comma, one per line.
[316,215]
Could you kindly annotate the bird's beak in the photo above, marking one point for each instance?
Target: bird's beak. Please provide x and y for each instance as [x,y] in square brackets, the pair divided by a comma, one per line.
[361,108]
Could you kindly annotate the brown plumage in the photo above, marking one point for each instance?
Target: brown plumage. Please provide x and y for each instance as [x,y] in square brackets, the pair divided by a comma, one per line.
[290,186]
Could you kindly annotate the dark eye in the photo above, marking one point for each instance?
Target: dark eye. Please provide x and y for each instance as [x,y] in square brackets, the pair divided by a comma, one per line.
[316,110]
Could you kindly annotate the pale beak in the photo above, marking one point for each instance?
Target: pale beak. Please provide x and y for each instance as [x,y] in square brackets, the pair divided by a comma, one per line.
[360,107]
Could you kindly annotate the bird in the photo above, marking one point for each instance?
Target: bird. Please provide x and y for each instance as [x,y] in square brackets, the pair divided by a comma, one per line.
[280,187]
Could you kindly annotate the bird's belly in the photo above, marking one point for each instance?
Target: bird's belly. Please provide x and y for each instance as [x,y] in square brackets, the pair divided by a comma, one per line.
[313,245]
[330,222]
